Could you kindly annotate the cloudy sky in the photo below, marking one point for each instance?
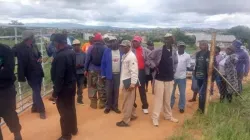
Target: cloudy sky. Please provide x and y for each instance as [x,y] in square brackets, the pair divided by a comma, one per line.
[130,13]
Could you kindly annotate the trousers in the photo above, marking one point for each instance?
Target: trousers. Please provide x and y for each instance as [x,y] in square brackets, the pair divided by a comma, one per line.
[128,105]
[202,83]
[8,110]
[67,110]
[80,83]
[142,89]
[112,88]
[181,83]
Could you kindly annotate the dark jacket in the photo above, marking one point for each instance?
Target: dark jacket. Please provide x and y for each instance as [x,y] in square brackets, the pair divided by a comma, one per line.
[28,65]
[106,66]
[80,60]
[63,71]
[7,76]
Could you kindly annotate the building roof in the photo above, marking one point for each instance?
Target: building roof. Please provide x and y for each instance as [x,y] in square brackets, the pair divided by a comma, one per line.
[207,37]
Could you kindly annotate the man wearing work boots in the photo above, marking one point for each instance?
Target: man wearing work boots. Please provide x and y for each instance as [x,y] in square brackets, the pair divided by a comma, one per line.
[129,80]
[8,92]
[111,67]
[63,76]
[93,72]
[80,61]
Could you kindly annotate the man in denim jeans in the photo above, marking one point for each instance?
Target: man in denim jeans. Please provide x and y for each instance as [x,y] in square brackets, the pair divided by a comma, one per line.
[180,76]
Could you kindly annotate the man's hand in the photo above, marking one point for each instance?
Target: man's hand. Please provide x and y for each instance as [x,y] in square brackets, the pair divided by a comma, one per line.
[132,87]
[40,60]
[245,74]
[86,73]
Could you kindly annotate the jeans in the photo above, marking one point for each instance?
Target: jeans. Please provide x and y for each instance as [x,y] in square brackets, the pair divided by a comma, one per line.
[182,89]
[80,83]
[202,83]
[35,83]
[142,89]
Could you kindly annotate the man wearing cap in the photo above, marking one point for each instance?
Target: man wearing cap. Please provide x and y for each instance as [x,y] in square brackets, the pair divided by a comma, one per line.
[164,61]
[8,92]
[180,76]
[129,80]
[80,61]
[30,68]
[93,72]
[110,70]
[142,57]
[69,38]
[63,76]
[242,65]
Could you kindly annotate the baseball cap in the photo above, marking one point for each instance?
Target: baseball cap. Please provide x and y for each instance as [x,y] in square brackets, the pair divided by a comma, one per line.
[27,34]
[237,43]
[125,43]
[97,37]
[181,43]
[137,38]
[168,35]
[76,42]
[60,38]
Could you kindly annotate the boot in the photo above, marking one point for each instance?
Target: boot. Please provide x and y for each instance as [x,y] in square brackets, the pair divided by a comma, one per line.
[17,136]
[79,101]
[101,104]
[194,97]
[93,104]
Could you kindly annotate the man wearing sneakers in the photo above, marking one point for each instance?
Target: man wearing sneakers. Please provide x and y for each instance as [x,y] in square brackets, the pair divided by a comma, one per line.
[164,60]
[80,61]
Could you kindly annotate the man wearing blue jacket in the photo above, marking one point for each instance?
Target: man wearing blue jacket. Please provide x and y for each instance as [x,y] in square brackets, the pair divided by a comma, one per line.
[110,70]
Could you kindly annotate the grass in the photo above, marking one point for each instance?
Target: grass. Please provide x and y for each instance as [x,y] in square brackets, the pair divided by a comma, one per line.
[224,121]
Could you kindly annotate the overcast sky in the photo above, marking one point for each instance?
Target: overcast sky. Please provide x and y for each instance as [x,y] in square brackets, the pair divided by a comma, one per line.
[130,13]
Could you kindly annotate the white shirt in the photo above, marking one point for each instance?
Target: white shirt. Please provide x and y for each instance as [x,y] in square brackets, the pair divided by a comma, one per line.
[129,68]
[116,61]
[183,63]
[222,66]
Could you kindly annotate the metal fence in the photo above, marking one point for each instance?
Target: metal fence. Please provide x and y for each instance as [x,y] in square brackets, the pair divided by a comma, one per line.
[24,92]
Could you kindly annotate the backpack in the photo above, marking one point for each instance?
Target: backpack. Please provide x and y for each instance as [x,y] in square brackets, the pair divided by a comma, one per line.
[97,53]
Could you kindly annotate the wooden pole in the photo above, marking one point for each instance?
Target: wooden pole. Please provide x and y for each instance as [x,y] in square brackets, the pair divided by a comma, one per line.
[210,71]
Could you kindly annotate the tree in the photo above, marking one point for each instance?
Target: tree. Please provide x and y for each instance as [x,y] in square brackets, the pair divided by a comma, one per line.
[181,36]
[15,22]
[242,33]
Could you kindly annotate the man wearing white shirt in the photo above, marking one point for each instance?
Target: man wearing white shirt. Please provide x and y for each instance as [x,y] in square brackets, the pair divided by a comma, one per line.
[180,76]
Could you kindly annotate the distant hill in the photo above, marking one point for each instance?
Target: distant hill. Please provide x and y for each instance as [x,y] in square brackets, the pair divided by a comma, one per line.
[66,26]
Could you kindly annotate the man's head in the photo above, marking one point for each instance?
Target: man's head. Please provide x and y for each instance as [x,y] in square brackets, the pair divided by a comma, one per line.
[111,42]
[136,41]
[28,37]
[125,46]
[97,37]
[181,47]
[150,43]
[230,50]
[65,32]
[76,45]
[217,50]
[60,41]
[91,40]
[203,46]
[168,39]
[237,44]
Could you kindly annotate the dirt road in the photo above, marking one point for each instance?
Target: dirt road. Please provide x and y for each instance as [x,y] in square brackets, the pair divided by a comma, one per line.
[95,125]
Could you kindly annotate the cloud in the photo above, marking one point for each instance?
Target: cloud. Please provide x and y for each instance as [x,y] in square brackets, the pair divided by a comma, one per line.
[124,13]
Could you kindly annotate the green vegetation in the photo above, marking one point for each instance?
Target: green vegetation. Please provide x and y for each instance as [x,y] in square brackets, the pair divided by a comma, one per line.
[224,121]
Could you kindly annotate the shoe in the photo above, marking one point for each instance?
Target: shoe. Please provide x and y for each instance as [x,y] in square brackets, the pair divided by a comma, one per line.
[122,124]
[17,136]
[101,104]
[192,100]
[133,118]
[173,120]
[43,115]
[93,104]
[146,90]
[182,110]
[155,122]
[106,111]
[145,111]
[80,102]
[116,110]
[135,105]
[65,138]
[75,132]
[34,110]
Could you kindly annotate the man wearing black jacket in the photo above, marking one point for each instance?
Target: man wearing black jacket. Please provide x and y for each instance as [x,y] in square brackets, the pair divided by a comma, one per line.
[8,92]
[30,68]
[63,75]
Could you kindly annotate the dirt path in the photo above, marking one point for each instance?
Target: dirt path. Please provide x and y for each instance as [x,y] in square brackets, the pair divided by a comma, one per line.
[95,125]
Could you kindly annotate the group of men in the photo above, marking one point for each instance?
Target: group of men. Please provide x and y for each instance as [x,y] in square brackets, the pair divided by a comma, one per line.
[108,64]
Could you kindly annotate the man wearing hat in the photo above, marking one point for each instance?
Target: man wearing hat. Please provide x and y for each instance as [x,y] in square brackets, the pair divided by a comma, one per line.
[129,80]
[110,70]
[242,65]
[180,76]
[30,69]
[142,57]
[164,61]
[8,92]
[93,71]
[63,76]
[80,61]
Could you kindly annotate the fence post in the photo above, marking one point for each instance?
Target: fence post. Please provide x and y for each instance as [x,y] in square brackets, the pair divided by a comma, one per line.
[210,70]
[42,53]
